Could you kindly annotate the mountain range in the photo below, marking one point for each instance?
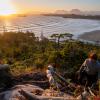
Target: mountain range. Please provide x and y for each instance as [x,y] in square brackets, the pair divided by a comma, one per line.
[77,12]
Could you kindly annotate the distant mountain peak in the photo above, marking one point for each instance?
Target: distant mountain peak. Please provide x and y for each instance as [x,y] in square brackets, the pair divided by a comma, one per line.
[61,12]
[75,11]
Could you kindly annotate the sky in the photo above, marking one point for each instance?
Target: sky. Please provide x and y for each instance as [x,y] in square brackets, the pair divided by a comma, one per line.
[32,6]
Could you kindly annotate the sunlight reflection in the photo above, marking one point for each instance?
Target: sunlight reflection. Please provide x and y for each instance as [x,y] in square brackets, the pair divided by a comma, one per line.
[6,8]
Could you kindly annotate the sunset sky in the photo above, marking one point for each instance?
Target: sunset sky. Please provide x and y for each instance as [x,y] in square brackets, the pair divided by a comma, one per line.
[33,6]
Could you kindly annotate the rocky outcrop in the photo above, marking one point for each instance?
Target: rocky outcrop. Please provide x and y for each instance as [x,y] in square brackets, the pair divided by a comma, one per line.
[32,92]
[16,93]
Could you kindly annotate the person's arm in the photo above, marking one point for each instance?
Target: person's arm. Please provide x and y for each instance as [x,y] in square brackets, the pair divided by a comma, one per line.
[83,65]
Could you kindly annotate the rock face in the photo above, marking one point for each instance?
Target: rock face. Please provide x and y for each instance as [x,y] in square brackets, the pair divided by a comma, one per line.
[35,78]
[16,93]
[32,92]
[28,91]
[7,80]
[56,94]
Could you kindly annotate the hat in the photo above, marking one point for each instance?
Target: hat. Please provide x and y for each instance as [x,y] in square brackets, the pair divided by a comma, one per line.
[50,67]
[93,56]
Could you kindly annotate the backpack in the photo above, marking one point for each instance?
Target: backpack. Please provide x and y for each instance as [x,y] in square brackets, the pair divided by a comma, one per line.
[83,75]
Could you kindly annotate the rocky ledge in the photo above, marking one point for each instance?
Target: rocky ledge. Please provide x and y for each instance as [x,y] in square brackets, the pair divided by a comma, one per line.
[32,92]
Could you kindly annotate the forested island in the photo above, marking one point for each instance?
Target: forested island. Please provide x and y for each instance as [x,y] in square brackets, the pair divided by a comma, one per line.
[95,17]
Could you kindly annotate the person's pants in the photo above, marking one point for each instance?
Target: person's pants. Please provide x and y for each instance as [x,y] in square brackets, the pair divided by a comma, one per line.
[86,79]
[91,79]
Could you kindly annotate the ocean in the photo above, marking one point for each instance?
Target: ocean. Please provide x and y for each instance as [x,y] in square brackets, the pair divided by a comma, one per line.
[48,25]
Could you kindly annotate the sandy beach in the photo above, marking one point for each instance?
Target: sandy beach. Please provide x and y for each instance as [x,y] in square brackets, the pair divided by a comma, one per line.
[91,36]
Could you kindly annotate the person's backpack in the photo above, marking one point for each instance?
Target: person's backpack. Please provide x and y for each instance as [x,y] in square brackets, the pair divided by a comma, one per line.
[83,75]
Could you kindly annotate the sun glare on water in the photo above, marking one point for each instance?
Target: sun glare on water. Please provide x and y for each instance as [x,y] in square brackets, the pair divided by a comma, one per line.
[6,8]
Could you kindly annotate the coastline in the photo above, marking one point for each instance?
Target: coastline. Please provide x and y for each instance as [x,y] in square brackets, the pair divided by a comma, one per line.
[90,36]
[75,16]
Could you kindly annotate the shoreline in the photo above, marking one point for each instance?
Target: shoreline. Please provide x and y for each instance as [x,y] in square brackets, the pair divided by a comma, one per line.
[75,16]
[93,36]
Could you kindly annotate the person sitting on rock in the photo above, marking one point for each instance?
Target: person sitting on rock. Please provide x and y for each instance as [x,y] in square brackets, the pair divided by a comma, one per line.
[5,77]
[90,70]
[51,76]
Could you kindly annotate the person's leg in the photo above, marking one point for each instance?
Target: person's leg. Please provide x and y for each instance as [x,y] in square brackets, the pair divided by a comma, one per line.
[83,78]
[91,79]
